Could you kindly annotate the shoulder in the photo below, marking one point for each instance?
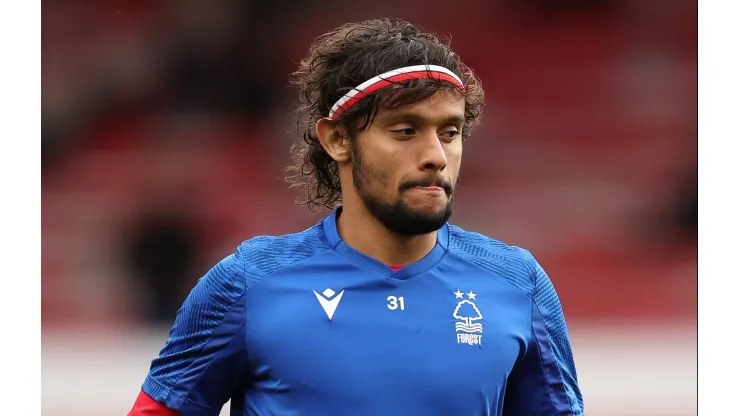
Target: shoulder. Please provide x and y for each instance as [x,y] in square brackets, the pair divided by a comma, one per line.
[220,288]
[515,264]
[264,255]
[474,244]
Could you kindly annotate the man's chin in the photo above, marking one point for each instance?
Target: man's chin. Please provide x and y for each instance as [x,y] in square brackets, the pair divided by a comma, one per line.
[409,217]
[427,209]
[419,221]
[417,227]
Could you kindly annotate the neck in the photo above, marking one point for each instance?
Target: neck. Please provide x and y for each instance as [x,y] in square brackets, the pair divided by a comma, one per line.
[364,233]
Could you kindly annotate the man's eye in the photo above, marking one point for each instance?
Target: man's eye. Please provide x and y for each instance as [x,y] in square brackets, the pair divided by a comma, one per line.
[405,132]
[450,134]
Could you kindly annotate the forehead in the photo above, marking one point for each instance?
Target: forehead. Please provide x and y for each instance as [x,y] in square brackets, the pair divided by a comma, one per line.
[443,104]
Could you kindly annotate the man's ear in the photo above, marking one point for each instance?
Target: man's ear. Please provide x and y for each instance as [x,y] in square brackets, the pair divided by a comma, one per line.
[334,139]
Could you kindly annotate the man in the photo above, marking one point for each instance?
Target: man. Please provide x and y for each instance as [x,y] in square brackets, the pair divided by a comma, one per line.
[382,307]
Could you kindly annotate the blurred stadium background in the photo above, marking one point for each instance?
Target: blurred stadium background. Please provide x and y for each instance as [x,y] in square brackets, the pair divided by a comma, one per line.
[166,125]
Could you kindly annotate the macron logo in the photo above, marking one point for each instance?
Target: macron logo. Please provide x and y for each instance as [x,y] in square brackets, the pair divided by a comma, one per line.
[328,301]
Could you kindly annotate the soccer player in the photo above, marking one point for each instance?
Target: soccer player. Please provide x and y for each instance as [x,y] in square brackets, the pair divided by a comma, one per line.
[382,307]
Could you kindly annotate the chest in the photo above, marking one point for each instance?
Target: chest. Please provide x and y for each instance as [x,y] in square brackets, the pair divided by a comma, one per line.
[435,334]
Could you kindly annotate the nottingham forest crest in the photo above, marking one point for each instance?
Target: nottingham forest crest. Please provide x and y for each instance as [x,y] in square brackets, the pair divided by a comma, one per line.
[468,329]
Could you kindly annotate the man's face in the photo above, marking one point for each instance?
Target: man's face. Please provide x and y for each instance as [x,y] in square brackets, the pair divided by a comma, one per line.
[406,164]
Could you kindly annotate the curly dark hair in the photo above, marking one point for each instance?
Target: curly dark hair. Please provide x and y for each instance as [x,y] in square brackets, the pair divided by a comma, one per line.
[340,60]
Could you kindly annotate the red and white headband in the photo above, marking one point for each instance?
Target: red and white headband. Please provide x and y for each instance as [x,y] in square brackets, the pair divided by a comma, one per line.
[392,77]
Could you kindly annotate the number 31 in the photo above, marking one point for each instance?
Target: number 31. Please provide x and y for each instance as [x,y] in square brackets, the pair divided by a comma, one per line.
[396,302]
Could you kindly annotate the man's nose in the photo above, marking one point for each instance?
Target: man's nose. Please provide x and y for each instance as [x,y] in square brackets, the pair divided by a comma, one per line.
[433,155]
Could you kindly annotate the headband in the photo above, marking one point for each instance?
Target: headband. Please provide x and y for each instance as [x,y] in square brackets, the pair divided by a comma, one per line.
[391,77]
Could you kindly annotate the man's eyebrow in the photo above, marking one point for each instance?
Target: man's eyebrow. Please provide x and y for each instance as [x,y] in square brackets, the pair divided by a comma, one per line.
[455,119]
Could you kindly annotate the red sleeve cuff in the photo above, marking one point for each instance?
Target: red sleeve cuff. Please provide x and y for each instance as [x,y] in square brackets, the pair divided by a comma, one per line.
[146,406]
